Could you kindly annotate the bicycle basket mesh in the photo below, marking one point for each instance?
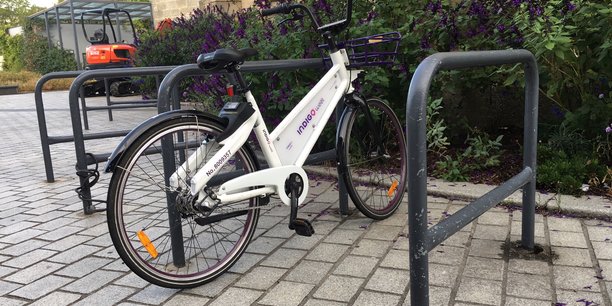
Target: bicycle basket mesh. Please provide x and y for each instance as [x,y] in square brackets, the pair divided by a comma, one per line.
[373,50]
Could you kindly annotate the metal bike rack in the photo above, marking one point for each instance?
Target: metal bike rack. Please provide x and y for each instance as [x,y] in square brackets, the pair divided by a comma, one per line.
[110,104]
[423,240]
[47,141]
[77,130]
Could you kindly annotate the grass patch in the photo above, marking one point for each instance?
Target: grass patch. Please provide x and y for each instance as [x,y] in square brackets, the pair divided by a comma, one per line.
[26,80]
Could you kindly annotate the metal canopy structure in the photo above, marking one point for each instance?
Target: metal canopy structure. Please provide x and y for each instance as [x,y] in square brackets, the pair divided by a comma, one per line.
[138,10]
[69,13]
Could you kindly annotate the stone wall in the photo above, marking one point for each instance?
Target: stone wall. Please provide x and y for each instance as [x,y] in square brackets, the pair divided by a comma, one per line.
[173,8]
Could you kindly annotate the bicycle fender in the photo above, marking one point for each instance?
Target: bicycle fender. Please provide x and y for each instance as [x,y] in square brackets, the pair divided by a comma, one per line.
[353,101]
[134,134]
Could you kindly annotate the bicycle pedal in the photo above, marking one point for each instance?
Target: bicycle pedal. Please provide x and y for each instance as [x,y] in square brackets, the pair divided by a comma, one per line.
[302,227]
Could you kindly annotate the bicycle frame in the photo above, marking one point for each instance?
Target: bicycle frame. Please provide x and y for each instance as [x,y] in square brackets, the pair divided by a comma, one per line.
[285,149]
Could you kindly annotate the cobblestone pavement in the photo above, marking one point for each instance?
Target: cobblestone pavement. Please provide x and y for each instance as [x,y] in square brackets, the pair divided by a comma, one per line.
[53,254]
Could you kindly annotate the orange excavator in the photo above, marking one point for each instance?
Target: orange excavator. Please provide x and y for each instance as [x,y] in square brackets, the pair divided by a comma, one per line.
[104,53]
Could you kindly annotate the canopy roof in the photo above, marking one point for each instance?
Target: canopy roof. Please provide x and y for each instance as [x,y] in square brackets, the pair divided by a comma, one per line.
[137,10]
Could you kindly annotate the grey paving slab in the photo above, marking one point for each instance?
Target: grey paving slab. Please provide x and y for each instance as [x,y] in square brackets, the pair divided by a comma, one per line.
[317,302]
[92,282]
[109,295]
[11,301]
[83,267]
[286,294]
[6,287]
[339,288]
[237,297]
[22,236]
[487,268]
[528,266]
[448,255]
[358,266]
[572,257]
[284,258]
[492,232]
[246,262]
[369,247]
[396,259]
[327,252]
[342,236]
[443,275]
[529,286]
[304,243]
[34,272]
[376,298]
[29,258]
[486,248]
[153,294]
[260,278]
[575,278]
[184,299]
[74,254]
[580,298]
[264,245]
[479,291]
[57,298]
[388,280]
[213,289]
[564,224]
[309,272]
[567,239]
[383,232]
[515,301]
[603,250]
[41,287]
[132,280]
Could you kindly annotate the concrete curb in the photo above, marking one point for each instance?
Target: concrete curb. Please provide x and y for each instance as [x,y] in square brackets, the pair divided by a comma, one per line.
[584,206]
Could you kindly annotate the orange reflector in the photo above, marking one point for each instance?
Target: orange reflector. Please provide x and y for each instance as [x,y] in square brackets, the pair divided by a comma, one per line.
[392,189]
[144,239]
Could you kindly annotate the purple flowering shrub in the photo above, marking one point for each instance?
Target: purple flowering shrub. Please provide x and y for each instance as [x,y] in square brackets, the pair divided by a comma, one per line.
[208,29]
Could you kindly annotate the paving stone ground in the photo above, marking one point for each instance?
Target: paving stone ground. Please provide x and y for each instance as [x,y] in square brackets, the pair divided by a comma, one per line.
[53,254]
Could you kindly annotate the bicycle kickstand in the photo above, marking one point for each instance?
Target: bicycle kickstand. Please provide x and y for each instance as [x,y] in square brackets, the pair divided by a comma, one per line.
[301,226]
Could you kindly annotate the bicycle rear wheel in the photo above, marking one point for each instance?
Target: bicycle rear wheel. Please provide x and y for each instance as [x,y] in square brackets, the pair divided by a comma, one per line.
[160,232]
[375,175]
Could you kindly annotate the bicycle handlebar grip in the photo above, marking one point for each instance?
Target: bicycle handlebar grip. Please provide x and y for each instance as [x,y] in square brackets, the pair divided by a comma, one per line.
[283,8]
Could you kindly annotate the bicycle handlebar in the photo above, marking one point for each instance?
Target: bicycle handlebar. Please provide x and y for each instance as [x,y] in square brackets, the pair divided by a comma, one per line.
[281,9]
[287,8]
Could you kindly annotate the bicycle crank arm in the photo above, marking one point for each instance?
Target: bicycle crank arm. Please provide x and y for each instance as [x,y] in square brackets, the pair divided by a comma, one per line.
[220,217]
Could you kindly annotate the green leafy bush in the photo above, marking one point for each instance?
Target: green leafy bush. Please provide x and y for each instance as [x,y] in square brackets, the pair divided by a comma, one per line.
[41,58]
[31,52]
[437,141]
[566,173]
[481,153]
[12,50]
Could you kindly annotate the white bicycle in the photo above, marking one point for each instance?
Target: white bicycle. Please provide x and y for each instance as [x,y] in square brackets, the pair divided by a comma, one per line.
[187,188]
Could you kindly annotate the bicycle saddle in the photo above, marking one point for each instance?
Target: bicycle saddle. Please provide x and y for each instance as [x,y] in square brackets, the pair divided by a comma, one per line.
[224,58]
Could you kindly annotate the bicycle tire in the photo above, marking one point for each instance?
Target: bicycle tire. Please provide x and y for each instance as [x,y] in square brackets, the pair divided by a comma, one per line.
[375,182]
[138,213]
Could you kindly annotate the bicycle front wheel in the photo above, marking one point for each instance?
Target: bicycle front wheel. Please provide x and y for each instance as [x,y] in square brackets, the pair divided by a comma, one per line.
[162,233]
[375,167]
